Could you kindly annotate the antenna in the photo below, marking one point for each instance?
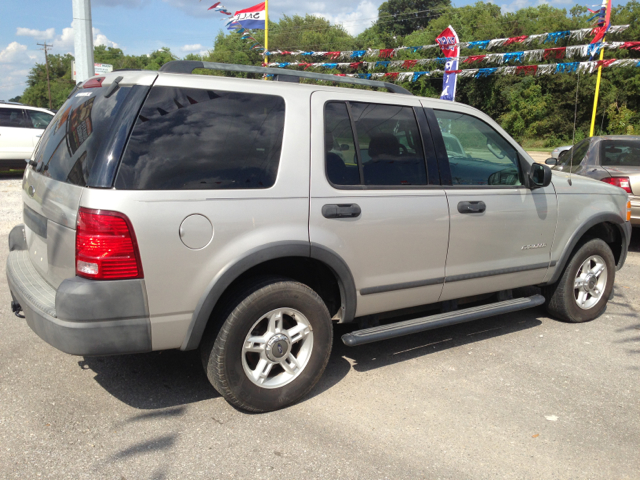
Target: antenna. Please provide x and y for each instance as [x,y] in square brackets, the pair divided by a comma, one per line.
[45,46]
[575,119]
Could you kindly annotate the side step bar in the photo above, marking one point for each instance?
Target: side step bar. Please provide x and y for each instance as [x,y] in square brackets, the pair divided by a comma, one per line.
[384,332]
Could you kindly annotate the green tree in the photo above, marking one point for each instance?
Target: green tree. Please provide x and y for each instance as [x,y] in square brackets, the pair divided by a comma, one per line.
[402,17]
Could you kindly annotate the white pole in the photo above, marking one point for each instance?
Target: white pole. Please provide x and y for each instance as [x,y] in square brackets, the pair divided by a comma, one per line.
[83,39]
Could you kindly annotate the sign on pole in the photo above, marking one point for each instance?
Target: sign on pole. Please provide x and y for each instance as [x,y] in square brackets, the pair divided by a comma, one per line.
[100,69]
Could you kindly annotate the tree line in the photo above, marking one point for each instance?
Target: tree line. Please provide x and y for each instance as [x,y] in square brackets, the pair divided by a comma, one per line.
[536,110]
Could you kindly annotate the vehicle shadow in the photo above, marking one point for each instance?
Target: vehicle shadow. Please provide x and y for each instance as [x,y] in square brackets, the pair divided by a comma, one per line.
[152,380]
[381,354]
[161,380]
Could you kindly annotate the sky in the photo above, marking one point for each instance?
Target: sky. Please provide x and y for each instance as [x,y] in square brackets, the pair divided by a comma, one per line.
[142,26]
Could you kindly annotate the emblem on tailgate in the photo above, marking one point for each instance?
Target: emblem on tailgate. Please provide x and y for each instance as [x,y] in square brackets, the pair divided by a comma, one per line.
[536,245]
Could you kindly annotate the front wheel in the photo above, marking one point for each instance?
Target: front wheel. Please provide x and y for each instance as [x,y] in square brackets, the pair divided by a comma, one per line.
[582,292]
[273,346]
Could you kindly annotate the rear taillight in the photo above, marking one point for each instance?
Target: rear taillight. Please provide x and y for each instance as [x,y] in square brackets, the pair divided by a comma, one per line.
[106,247]
[622,182]
[629,211]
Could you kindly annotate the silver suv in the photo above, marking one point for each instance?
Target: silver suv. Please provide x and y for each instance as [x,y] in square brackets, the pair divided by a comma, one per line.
[167,210]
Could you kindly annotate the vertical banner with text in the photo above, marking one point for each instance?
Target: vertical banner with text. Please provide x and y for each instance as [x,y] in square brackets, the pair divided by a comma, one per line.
[448,41]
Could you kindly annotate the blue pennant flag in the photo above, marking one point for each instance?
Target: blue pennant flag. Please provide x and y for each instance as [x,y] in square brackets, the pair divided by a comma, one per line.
[555,36]
[415,49]
[330,65]
[417,75]
[485,72]
[283,65]
[358,53]
[567,67]
[515,56]
[382,64]
[482,44]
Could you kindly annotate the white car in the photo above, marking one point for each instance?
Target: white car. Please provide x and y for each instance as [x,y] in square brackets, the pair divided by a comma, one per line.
[555,153]
[21,127]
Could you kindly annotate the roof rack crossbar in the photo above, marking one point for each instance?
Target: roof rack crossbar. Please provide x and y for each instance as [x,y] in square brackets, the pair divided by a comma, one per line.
[188,66]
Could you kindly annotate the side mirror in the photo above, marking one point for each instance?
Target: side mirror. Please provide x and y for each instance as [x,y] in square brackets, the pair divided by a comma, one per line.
[539,176]
[344,147]
[551,161]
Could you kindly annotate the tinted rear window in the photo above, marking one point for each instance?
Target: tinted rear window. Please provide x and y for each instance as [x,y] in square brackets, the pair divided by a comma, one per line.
[188,138]
[620,153]
[72,140]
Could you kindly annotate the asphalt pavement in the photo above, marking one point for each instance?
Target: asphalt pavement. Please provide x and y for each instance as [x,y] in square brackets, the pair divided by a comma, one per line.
[519,396]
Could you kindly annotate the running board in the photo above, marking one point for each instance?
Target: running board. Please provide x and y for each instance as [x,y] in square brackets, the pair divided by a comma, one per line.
[384,332]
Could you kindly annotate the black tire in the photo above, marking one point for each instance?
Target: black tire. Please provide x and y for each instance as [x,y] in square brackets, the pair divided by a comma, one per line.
[222,352]
[561,301]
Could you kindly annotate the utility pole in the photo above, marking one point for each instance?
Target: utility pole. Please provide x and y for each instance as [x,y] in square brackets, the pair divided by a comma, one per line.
[83,39]
[46,62]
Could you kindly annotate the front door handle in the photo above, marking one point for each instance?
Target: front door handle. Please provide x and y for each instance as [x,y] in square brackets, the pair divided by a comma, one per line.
[343,210]
[471,207]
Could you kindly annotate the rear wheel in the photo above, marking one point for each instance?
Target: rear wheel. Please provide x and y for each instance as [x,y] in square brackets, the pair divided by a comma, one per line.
[582,292]
[273,346]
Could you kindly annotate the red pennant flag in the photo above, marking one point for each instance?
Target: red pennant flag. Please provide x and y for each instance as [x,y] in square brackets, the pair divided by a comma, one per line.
[355,64]
[631,45]
[332,55]
[556,53]
[214,5]
[519,39]
[605,63]
[474,58]
[386,53]
[527,69]
[409,63]
[392,75]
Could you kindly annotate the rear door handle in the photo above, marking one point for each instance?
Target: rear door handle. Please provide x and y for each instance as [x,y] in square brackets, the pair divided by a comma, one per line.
[471,207]
[342,210]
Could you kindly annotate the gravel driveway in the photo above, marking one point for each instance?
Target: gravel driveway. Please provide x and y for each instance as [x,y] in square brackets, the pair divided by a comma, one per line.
[515,396]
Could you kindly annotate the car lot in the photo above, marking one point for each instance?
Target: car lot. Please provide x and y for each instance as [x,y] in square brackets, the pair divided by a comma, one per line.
[515,396]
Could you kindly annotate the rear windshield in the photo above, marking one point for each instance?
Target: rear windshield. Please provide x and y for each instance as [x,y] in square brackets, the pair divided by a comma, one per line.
[620,153]
[72,140]
[187,138]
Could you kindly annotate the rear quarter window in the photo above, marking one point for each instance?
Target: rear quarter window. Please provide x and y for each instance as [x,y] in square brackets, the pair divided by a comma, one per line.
[188,138]
[73,138]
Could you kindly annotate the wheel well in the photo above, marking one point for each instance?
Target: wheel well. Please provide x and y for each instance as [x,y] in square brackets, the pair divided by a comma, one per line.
[308,271]
[607,232]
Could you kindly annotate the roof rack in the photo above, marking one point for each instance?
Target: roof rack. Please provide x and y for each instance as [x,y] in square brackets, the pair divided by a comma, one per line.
[282,75]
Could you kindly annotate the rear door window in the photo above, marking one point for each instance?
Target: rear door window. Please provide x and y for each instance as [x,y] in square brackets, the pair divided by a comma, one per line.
[13,117]
[187,138]
[386,149]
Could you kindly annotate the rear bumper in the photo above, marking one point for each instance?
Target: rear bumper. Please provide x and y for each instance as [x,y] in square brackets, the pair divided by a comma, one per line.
[635,210]
[81,317]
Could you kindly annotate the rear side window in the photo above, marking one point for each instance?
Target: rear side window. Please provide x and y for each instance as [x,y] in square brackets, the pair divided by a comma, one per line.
[620,153]
[72,140]
[13,117]
[188,138]
[386,149]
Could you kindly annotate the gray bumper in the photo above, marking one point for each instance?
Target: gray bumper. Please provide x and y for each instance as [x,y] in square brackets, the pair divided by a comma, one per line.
[81,317]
